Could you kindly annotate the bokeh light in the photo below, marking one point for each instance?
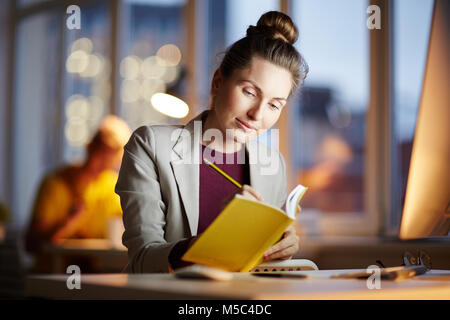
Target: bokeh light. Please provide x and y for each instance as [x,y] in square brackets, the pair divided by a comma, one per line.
[130,67]
[77,108]
[153,67]
[94,67]
[83,44]
[170,54]
[151,86]
[77,132]
[130,90]
[77,61]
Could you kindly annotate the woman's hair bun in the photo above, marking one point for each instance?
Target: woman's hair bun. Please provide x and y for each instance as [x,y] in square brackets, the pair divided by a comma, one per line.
[275,25]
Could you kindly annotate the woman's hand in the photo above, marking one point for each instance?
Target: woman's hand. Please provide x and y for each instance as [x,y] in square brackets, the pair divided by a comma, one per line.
[285,248]
[247,191]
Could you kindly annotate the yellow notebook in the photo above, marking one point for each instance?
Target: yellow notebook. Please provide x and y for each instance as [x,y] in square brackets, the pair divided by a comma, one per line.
[237,239]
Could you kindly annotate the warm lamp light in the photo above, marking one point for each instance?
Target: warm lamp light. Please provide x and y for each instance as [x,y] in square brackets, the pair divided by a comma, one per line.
[169,105]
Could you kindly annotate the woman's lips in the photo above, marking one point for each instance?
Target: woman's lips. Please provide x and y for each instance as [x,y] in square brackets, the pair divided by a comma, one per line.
[245,126]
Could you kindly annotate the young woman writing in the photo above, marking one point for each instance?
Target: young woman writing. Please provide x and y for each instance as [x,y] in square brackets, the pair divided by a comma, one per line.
[168,193]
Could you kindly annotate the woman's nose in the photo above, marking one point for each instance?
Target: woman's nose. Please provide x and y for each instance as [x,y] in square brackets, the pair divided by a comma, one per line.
[256,111]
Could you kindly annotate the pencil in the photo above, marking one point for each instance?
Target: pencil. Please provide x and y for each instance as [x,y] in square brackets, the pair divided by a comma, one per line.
[212,165]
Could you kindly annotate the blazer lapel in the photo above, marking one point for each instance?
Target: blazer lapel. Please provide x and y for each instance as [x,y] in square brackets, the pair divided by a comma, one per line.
[185,166]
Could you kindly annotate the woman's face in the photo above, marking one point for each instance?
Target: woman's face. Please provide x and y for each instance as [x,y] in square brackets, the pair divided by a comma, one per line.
[250,100]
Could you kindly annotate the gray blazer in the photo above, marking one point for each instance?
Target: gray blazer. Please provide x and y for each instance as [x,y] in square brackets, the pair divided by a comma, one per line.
[158,186]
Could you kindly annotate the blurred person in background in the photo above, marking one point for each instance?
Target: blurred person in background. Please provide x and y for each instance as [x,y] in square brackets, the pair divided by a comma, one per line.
[76,201]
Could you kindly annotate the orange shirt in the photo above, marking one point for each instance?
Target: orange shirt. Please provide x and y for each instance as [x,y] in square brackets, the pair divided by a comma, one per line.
[56,198]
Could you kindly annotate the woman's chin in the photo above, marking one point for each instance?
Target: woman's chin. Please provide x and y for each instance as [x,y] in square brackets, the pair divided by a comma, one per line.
[244,137]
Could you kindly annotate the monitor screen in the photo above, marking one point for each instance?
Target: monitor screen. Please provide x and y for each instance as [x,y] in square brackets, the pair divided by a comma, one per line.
[426,210]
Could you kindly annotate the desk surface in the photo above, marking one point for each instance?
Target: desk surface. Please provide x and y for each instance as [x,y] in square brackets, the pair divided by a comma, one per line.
[433,285]
[105,257]
[85,246]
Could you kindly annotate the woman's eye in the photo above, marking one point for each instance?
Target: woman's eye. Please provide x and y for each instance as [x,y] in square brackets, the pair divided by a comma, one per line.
[273,106]
[249,93]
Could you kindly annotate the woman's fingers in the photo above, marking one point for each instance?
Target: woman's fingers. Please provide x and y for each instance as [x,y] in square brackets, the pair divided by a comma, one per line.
[249,191]
[280,246]
[283,254]
[285,248]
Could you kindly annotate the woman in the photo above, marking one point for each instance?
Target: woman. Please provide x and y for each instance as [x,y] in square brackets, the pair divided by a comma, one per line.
[169,195]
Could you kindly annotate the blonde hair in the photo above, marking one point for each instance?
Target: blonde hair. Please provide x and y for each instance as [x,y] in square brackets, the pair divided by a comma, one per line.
[112,133]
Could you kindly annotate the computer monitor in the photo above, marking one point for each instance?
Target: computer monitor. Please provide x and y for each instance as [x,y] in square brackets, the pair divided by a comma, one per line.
[426,211]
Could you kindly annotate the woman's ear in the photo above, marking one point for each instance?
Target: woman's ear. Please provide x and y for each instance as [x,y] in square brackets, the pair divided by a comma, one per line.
[216,82]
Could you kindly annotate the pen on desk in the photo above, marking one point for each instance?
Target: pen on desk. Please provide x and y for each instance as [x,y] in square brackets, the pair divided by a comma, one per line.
[212,165]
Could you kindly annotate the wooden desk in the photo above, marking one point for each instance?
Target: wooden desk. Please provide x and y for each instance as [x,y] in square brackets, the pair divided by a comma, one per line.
[107,257]
[433,285]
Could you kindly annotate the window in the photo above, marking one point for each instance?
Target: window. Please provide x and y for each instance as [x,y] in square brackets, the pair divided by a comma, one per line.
[152,59]
[87,91]
[26,3]
[35,110]
[328,115]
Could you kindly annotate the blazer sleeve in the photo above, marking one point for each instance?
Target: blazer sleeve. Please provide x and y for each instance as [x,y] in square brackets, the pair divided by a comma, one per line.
[142,205]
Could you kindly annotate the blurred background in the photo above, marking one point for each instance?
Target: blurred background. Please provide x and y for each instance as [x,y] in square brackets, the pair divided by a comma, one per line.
[343,135]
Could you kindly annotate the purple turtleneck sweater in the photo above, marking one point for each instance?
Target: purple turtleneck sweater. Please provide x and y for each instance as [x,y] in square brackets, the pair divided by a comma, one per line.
[214,189]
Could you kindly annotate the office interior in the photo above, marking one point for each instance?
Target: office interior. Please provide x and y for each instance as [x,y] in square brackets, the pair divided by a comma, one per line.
[347,134]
